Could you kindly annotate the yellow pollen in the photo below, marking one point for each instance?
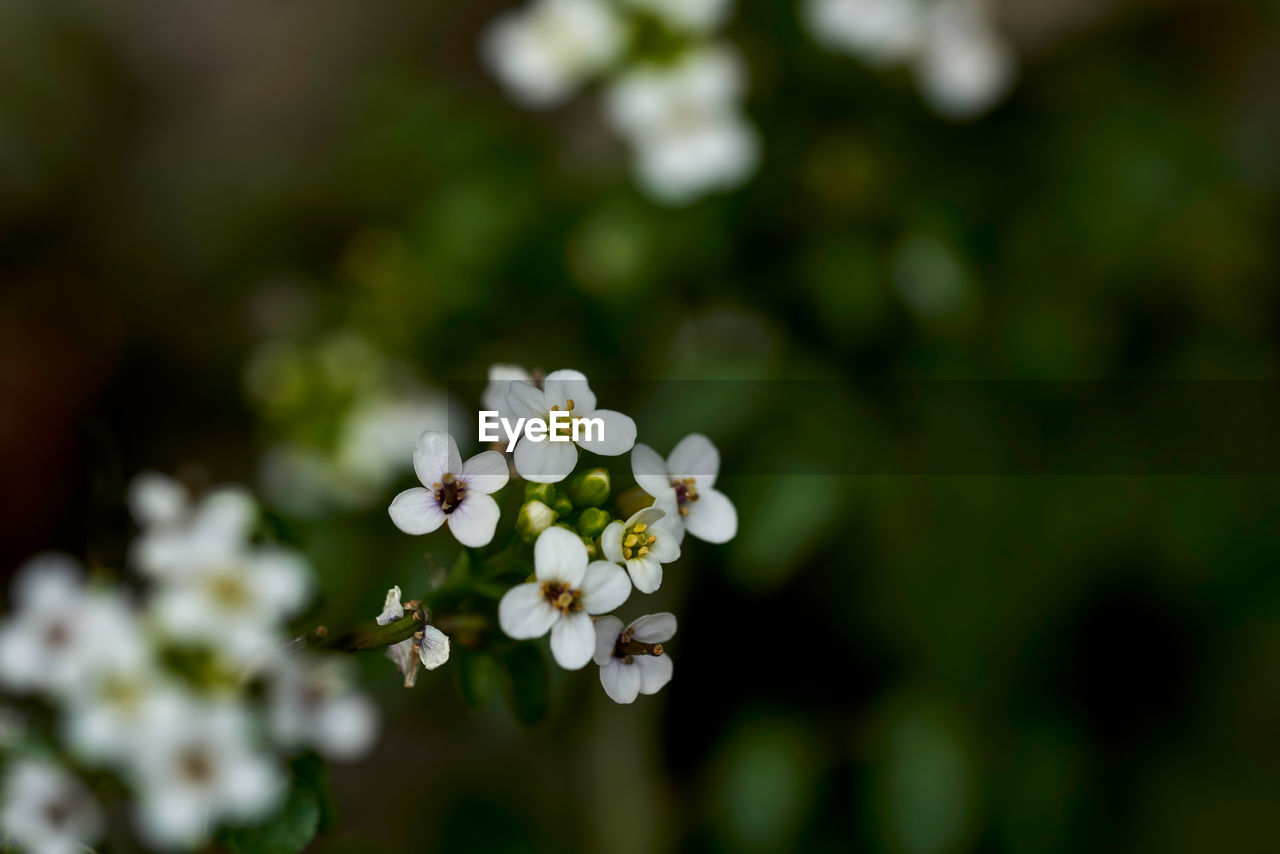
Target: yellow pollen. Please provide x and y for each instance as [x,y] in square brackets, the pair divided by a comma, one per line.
[684,511]
[626,552]
[644,550]
[630,540]
[565,599]
[448,477]
[653,538]
[639,529]
[569,404]
[657,649]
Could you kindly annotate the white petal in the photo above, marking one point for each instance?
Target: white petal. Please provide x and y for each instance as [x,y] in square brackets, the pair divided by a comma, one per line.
[545,461]
[611,541]
[475,520]
[281,578]
[672,520]
[392,608]
[157,499]
[607,631]
[433,649]
[650,471]
[485,472]
[525,613]
[646,516]
[646,573]
[712,517]
[621,681]
[563,386]
[501,376]
[525,400]
[559,555]
[654,628]
[617,437]
[694,456]
[654,670]
[573,641]
[604,587]
[415,511]
[665,547]
[436,454]
[401,654]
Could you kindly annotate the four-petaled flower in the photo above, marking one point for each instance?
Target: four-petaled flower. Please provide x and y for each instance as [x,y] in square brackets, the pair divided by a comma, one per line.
[632,660]
[603,432]
[684,487]
[642,544]
[452,491]
[428,647]
[567,591]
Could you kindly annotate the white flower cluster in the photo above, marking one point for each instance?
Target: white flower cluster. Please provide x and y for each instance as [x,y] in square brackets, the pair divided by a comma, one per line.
[155,692]
[569,595]
[679,106]
[961,62]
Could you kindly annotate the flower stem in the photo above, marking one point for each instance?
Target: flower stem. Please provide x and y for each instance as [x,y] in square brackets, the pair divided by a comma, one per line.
[370,635]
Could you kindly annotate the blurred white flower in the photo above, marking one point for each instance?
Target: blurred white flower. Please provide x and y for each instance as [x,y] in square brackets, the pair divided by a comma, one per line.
[632,660]
[156,500]
[962,64]
[61,635]
[566,593]
[699,16]
[237,603]
[564,391]
[642,544]
[684,488]
[179,538]
[111,718]
[685,123]
[379,435]
[200,767]
[46,810]
[454,492]
[311,703]
[543,52]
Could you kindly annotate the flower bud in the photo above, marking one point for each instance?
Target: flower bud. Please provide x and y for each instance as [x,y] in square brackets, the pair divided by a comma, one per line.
[589,488]
[590,543]
[544,492]
[592,521]
[534,518]
[562,505]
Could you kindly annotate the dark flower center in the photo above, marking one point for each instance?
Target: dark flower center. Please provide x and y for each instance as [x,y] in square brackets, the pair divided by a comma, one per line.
[686,491]
[449,492]
[562,597]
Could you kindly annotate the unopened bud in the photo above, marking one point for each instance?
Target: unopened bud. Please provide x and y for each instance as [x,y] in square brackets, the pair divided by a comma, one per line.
[590,543]
[544,492]
[534,518]
[592,521]
[589,488]
[562,505]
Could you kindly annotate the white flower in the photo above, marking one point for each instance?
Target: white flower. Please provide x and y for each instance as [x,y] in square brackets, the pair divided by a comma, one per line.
[48,811]
[632,660]
[199,768]
[565,391]
[686,125]
[237,603]
[378,435]
[879,32]
[642,544]
[545,51]
[457,493]
[428,647]
[110,721]
[684,486]
[178,539]
[494,396]
[699,16]
[61,635]
[312,704]
[566,592]
[964,66]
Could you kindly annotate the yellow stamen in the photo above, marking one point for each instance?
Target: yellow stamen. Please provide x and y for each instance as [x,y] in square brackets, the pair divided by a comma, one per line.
[653,538]
[639,529]
[644,550]
[630,540]
[626,553]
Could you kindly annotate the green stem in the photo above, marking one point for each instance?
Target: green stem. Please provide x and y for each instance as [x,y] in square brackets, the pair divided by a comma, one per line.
[370,635]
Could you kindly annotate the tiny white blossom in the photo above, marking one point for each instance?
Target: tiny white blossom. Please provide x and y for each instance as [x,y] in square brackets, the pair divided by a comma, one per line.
[453,491]
[543,52]
[685,123]
[684,487]
[428,647]
[567,591]
[565,391]
[642,544]
[237,603]
[45,810]
[178,536]
[109,720]
[494,396]
[61,635]
[632,660]
[311,703]
[199,768]
[392,608]
[879,32]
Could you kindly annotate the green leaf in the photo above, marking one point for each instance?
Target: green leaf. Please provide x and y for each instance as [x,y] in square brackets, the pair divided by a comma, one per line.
[476,674]
[527,686]
[288,832]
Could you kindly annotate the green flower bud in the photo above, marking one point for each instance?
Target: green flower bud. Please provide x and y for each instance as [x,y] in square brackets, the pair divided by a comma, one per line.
[592,521]
[589,488]
[562,505]
[591,547]
[544,492]
[534,518]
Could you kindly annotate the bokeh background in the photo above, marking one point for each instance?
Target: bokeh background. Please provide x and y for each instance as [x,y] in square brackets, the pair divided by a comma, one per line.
[260,241]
